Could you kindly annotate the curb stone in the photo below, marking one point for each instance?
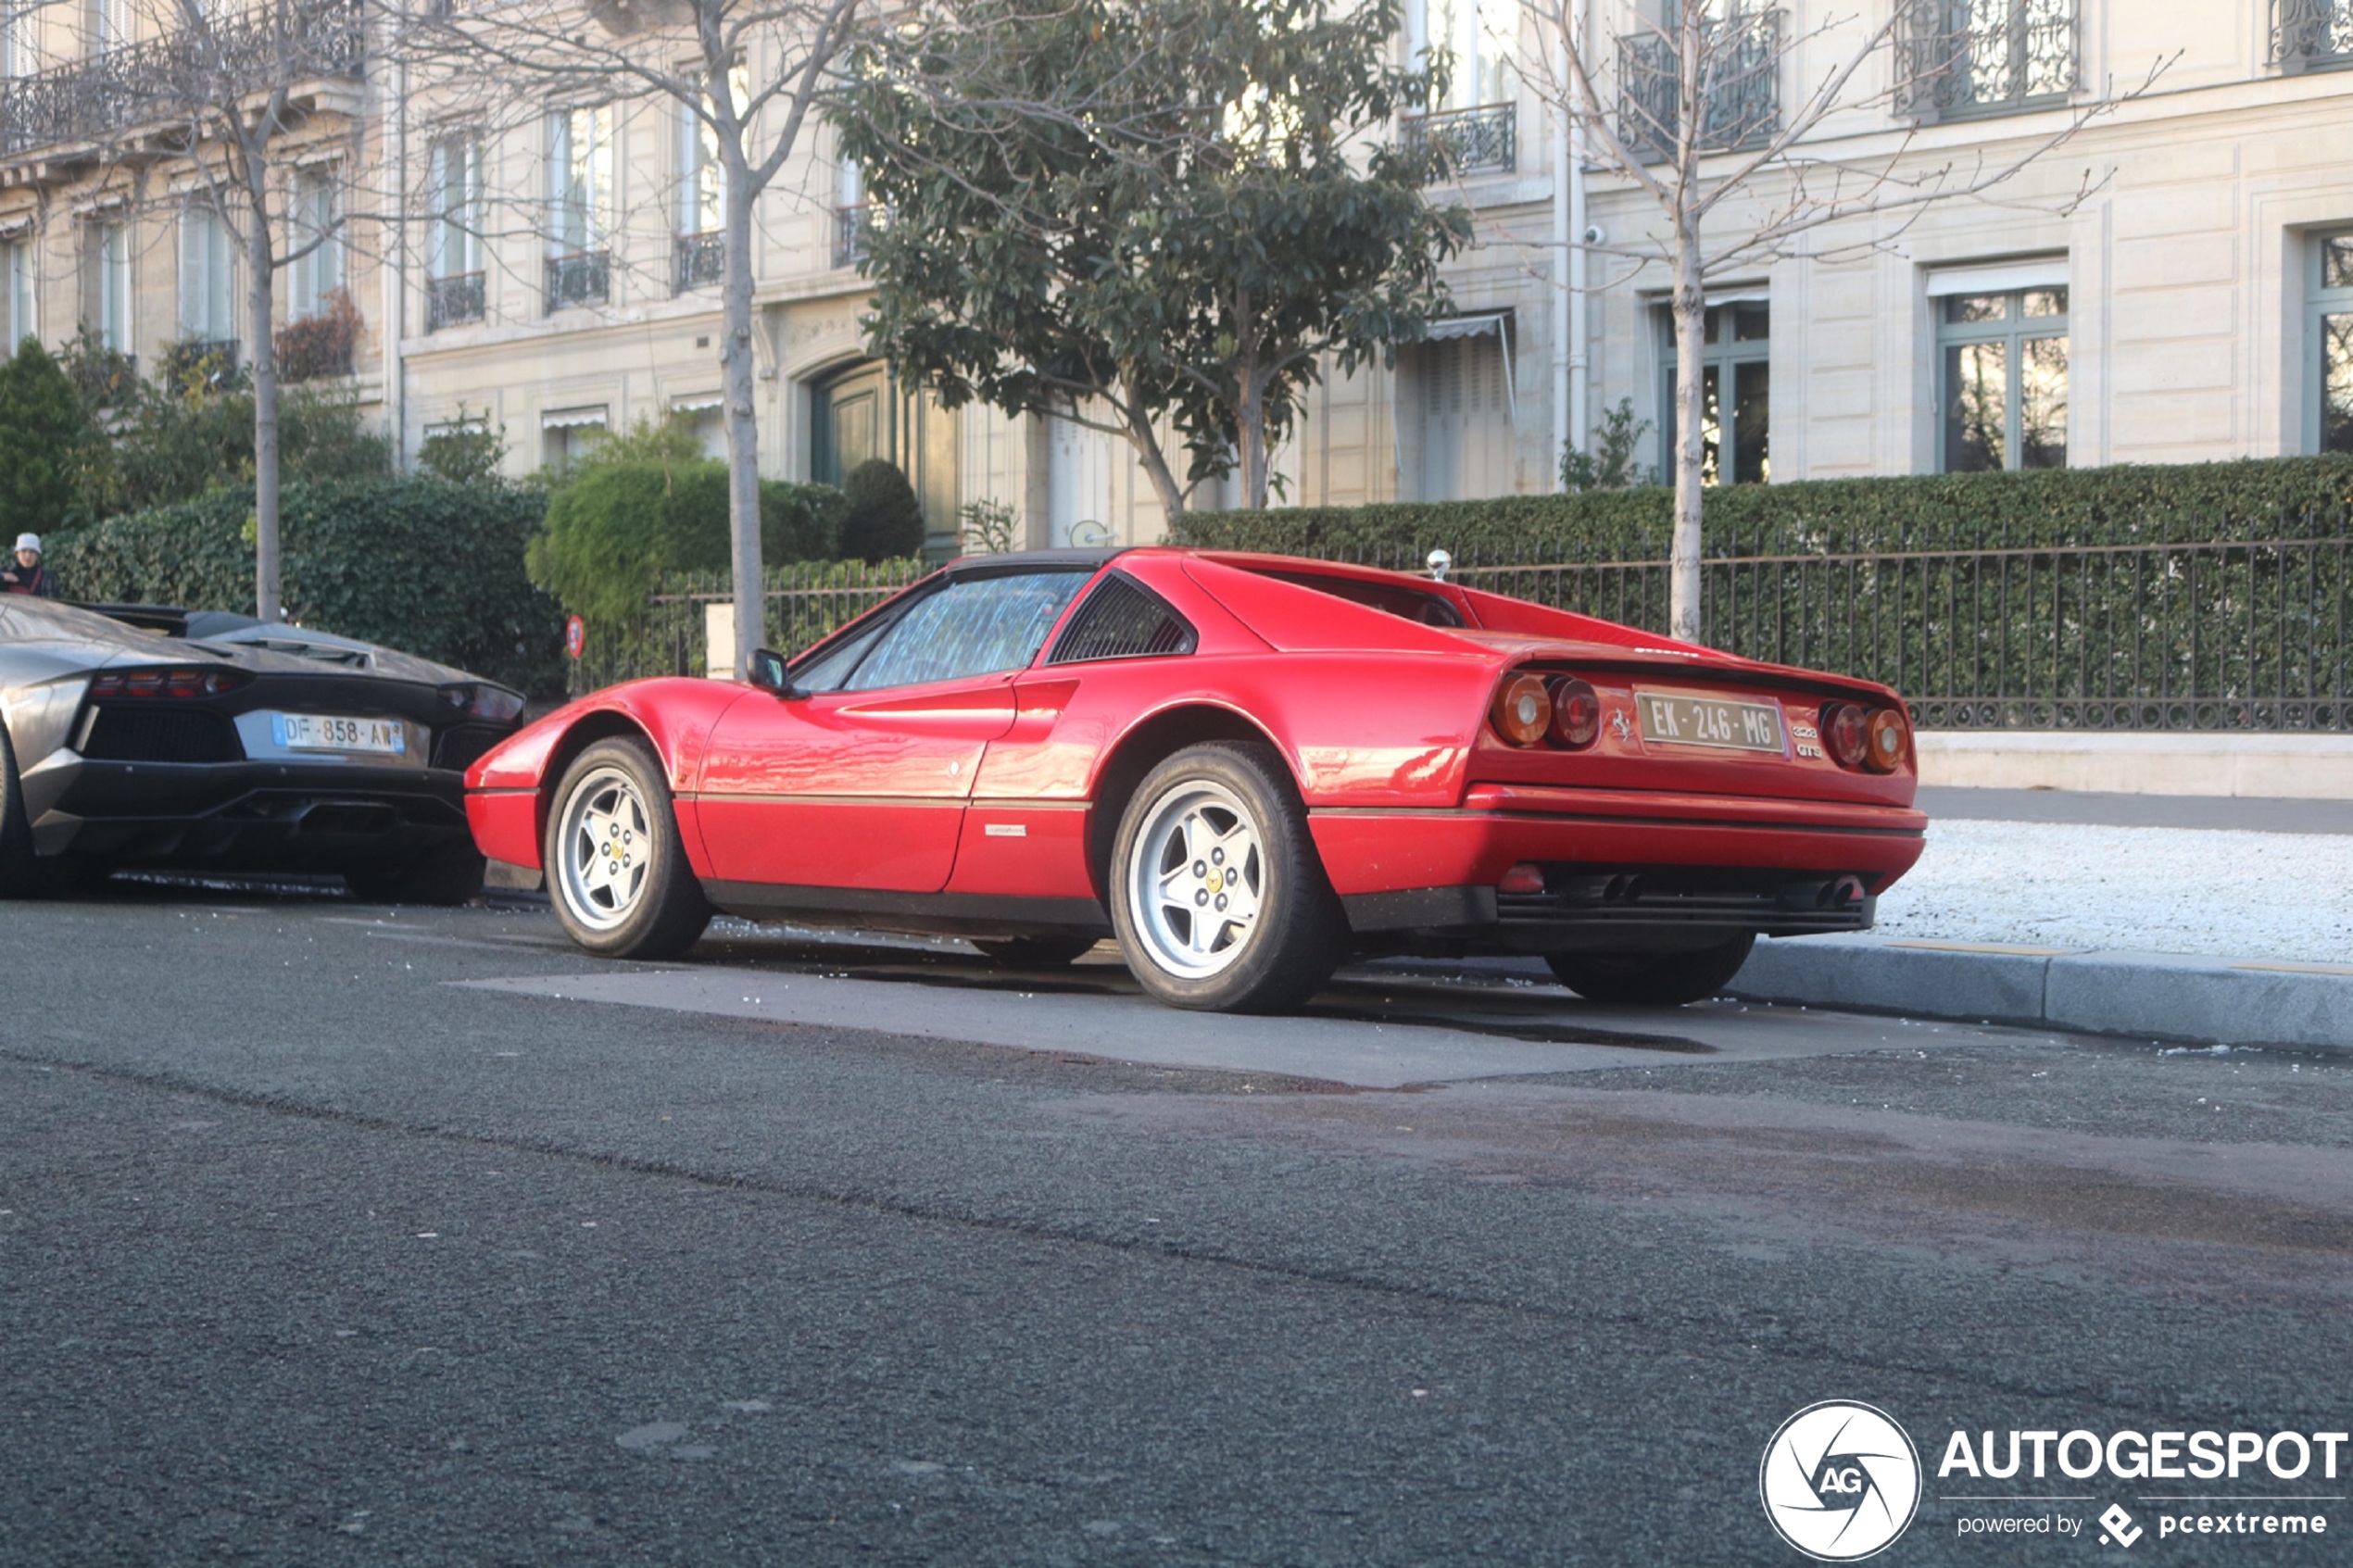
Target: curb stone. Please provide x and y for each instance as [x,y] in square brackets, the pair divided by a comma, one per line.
[2157,996]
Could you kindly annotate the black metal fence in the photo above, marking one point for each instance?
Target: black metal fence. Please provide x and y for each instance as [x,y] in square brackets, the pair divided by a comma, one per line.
[2120,632]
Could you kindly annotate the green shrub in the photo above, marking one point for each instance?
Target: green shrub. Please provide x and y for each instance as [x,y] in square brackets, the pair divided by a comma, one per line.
[615,529]
[416,563]
[883,520]
[45,436]
[2127,503]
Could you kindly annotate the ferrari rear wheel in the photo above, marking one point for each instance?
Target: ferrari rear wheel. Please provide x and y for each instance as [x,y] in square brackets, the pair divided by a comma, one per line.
[1218,897]
[1034,952]
[617,872]
[1653,979]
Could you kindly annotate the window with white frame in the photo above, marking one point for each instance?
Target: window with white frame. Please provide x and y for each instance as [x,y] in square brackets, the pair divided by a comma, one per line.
[1736,392]
[108,303]
[109,24]
[2002,372]
[1478,36]
[207,300]
[2329,419]
[317,213]
[453,200]
[16,285]
[580,185]
[580,205]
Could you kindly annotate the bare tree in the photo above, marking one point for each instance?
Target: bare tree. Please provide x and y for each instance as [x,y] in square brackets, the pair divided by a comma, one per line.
[747,72]
[220,96]
[1689,110]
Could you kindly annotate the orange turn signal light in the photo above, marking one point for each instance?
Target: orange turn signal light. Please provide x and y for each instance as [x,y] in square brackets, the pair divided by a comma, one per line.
[1523,710]
[1885,753]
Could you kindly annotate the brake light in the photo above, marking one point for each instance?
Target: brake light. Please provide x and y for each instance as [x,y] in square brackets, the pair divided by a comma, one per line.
[1523,710]
[181,683]
[1577,714]
[1884,752]
[1843,729]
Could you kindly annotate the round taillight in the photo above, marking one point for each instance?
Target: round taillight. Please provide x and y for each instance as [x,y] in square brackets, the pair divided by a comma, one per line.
[1886,750]
[1523,710]
[1842,728]
[1577,714]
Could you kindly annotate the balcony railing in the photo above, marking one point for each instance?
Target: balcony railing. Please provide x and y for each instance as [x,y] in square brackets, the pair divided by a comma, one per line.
[1963,58]
[584,279]
[1476,141]
[2312,34]
[853,225]
[1741,97]
[454,300]
[161,80]
[698,261]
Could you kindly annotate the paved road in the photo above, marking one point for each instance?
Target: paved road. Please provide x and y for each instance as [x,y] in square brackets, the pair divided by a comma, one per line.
[332,1234]
[2247,813]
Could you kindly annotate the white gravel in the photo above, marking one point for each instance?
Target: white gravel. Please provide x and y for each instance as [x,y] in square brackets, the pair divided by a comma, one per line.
[2164,890]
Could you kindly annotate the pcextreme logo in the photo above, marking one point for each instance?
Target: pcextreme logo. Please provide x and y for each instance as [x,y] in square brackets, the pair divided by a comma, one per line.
[1839,1481]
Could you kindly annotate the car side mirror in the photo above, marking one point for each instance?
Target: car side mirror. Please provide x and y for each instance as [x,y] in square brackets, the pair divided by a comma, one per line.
[766,670]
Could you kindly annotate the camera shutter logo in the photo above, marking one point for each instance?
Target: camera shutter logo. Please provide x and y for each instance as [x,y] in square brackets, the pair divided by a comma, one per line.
[1839,1481]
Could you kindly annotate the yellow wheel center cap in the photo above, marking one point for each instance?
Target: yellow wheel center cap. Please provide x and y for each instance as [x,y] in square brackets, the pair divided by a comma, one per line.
[1216,881]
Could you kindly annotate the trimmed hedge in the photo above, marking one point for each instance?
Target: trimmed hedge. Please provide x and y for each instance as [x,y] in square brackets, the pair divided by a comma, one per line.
[418,564]
[2122,504]
[620,526]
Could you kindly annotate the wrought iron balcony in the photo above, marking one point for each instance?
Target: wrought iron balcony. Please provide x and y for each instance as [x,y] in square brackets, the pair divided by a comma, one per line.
[698,260]
[852,226]
[1741,96]
[454,300]
[1963,58]
[2312,34]
[1476,141]
[160,81]
[584,279]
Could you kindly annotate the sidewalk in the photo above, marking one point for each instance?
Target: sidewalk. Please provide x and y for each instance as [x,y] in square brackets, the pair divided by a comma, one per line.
[2167,917]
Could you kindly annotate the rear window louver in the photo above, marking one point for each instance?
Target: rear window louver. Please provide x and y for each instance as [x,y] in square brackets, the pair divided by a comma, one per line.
[1121,620]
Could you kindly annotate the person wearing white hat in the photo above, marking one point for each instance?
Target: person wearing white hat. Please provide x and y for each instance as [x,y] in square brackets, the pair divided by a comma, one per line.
[25,574]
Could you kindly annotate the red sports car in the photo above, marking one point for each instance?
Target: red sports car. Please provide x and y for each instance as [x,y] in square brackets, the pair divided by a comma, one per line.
[1244,766]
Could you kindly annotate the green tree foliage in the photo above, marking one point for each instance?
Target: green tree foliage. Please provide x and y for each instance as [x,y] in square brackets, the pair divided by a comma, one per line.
[465,451]
[882,519]
[1612,465]
[619,524]
[47,436]
[1126,210]
[189,431]
[414,562]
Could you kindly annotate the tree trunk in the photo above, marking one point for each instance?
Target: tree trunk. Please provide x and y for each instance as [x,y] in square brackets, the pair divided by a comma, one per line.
[260,298]
[743,425]
[1690,404]
[1251,435]
[1142,436]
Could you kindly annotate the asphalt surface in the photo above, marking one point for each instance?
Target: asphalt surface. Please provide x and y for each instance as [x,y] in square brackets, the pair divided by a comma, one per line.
[334,1234]
[2243,813]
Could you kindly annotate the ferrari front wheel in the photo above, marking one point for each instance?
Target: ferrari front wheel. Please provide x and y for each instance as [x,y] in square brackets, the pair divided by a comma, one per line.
[617,872]
[1653,979]
[1218,897]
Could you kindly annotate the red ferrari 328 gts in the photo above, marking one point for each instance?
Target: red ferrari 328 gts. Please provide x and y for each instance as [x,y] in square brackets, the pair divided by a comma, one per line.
[1245,767]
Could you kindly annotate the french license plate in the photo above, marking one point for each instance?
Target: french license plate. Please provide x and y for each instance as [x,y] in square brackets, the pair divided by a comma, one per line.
[1679,719]
[327,732]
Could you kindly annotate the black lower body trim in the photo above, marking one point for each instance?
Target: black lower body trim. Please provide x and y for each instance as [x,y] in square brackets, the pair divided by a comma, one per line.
[1416,907]
[940,914]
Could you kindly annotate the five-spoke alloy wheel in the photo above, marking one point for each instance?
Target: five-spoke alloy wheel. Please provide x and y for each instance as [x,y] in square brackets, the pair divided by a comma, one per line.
[617,873]
[1218,897]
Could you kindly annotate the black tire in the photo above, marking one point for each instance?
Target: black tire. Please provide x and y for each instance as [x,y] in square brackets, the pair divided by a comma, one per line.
[448,875]
[23,873]
[1238,794]
[1665,980]
[652,907]
[1034,952]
